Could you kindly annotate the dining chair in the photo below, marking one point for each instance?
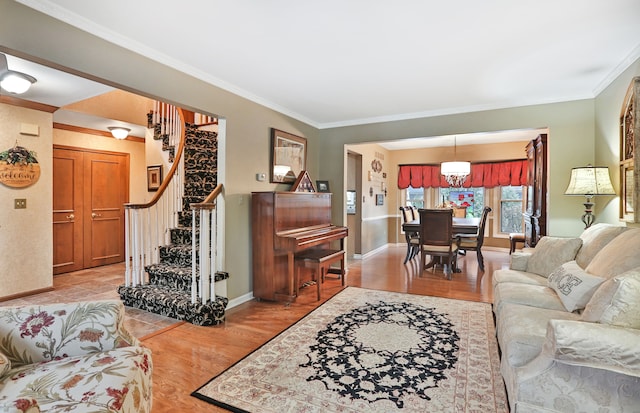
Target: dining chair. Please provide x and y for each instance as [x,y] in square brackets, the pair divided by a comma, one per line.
[437,240]
[473,242]
[411,237]
[414,212]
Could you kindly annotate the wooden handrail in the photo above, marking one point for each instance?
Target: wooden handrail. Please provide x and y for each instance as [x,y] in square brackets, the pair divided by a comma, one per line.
[172,171]
[208,202]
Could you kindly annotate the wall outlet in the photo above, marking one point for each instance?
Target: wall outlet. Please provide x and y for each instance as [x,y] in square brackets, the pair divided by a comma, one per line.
[261,177]
[19,203]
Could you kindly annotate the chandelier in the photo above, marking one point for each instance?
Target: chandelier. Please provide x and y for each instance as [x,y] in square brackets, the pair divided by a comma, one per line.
[455,172]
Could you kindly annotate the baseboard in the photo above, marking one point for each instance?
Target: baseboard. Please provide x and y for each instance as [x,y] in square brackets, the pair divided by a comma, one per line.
[26,294]
[240,300]
[375,251]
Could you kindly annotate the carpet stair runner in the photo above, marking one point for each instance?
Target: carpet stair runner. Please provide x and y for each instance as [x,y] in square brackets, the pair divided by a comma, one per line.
[168,291]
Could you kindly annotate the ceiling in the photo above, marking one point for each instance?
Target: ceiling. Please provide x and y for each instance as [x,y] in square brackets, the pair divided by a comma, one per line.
[337,63]
[57,88]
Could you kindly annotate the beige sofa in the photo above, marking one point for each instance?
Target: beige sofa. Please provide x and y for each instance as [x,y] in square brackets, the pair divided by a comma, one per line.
[72,358]
[568,323]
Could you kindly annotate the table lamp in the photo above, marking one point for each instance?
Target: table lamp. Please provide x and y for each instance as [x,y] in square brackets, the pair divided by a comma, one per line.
[589,181]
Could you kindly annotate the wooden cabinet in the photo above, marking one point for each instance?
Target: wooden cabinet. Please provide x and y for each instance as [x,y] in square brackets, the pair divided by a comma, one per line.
[535,216]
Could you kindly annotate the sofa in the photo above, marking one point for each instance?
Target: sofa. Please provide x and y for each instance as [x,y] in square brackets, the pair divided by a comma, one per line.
[75,357]
[567,318]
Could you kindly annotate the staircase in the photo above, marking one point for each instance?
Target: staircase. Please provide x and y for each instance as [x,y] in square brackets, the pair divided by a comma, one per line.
[169,288]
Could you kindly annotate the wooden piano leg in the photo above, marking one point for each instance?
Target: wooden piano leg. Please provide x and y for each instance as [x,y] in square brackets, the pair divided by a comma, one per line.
[290,275]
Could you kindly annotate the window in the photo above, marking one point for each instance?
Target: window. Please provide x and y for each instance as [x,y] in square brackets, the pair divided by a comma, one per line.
[511,209]
[472,198]
[415,197]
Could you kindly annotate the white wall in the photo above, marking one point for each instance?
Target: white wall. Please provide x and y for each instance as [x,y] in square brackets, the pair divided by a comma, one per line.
[26,235]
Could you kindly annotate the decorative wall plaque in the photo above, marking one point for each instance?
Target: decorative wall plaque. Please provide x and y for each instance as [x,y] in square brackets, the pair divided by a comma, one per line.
[19,167]
[629,146]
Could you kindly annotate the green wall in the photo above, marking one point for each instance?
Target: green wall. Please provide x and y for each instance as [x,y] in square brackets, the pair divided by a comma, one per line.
[29,34]
[571,143]
[608,106]
[580,132]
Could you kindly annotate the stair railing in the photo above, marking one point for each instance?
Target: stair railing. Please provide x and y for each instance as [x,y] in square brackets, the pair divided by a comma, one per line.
[147,225]
[204,247]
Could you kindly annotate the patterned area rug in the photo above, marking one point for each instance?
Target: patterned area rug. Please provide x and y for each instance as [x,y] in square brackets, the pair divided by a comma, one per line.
[372,351]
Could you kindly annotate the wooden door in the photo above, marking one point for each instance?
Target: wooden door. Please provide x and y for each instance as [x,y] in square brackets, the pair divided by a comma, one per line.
[90,189]
[106,189]
[67,211]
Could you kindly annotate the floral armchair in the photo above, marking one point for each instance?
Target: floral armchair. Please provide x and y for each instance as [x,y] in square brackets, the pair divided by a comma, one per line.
[72,357]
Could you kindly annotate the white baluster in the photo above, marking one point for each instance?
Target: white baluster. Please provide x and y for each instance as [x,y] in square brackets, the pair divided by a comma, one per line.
[212,247]
[162,120]
[135,248]
[203,256]
[127,248]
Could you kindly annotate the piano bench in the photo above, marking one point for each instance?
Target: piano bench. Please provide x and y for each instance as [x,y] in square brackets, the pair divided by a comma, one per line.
[319,260]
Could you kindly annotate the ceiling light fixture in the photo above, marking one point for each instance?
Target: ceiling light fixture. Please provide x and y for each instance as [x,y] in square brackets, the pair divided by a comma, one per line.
[119,132]
[456,172]
[12,81]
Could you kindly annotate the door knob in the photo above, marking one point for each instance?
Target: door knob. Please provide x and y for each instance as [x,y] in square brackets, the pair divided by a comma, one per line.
[94,215]
[71,216]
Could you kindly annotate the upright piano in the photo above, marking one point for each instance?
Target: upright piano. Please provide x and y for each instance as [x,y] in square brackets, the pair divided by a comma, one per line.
[283,224]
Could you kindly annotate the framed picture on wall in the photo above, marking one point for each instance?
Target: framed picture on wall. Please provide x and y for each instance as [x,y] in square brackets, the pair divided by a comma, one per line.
[154,177]
[288,156]
[379,199]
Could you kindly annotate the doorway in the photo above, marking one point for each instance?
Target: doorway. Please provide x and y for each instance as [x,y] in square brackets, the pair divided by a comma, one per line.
[354,215]
[90,189]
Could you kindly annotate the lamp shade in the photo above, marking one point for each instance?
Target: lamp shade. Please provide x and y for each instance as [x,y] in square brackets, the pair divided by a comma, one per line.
[456,172]
[455,168]
[590,180]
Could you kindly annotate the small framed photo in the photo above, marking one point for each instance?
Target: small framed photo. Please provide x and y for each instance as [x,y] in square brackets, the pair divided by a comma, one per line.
[379,199]
[322,186]
[154,177]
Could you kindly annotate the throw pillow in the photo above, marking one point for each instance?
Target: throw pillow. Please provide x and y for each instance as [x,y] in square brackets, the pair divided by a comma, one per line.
[519,260]
[552,252]
[5,365]
[594,239]
[618,256]
[573,285]
[616,301]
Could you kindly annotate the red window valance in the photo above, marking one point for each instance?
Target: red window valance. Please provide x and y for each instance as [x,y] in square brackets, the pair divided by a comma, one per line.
[488,175]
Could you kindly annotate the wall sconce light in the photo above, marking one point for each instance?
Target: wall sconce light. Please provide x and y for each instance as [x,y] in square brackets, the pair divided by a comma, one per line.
[12,81]
[119,132]
[589,181]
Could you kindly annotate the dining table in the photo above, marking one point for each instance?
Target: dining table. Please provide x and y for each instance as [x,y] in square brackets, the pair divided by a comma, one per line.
[460,226]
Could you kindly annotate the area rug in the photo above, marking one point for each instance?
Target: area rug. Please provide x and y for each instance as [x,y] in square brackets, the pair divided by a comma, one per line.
[372,351]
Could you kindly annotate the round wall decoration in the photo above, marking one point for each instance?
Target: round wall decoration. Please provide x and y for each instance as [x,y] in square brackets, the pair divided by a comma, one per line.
[19,167]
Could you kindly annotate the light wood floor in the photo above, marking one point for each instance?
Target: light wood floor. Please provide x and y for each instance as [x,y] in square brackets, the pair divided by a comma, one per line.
[187,356]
